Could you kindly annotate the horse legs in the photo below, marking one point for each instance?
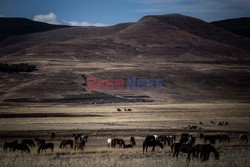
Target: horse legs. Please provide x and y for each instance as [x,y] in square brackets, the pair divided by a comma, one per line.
[153,149]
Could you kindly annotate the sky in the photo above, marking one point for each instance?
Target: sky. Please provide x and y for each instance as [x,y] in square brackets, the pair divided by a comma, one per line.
[110,12]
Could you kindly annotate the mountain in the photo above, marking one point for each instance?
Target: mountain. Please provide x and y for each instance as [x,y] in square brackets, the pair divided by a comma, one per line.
[239,26]
[20,26]
[198,62]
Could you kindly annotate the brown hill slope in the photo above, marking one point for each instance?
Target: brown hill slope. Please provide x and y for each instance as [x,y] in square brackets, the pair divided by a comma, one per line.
[198,62]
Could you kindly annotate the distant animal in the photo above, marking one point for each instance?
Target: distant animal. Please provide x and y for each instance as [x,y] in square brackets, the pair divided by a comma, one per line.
[204,151]
[64,144]
[9,145]
[200,123]
[29,142]
[212,122]
[80,137]
[52,135]
[118,109]
[243,138]
[109,142]
[184,148]
[119,142]
[132,141]
[129,109]
[128,146]
[150,141]
[164,139]
[125,109]
[39,141]
[21,147]
[79,145]
[225,138]
[187,139]
[45,146]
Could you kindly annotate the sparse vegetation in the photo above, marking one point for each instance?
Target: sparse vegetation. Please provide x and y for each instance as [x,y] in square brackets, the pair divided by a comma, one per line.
[21,67]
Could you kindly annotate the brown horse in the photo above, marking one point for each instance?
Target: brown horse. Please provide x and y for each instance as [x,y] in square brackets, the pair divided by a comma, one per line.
[29,142]
[52,135]
[204,150]
[164,139]
[243,137]
[150,141]
[79,144]
[44,146]
[22,147]
[39,141]
[9,145]
[184,148]
[64,143]
[132,141]
[119,142]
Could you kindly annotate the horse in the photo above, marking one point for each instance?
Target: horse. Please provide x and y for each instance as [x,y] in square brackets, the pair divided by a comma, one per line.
[39,141]
[64,143]
[132,141]
[79,145]
[29,142]
[171,138]
[207,138]
[150,141]
[243,137]
[44,146]
[225,138]
[204,150]
[52,135]
[22,147]
[187,139]
[184,148]
[9,145]
[109,142]
[164,139]
[119,142]
[80,137]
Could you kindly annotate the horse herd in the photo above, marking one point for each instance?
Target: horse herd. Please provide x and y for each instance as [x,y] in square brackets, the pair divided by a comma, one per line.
[186,144]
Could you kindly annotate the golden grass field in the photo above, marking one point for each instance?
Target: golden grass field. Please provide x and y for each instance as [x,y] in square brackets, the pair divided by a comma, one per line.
[100,122]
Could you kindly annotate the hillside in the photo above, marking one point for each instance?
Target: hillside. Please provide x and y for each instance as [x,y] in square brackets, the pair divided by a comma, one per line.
[198,62]
[20,26]
[239,26]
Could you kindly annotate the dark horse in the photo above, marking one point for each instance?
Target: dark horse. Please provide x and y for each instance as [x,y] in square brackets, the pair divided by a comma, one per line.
[204,150]
[164,139]
[44,146]
[9,145]
[39,141]
[22,147]
[119,142]
[132,141]
[64,143]
[243,137]
[29,142]
[184,148]
[150,141]
[80,137]
[79,144]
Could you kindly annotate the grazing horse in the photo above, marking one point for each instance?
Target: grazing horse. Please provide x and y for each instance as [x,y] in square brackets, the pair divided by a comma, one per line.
[64,143]
[184,148]
[187,139]
[243,137]
[109,142]
[132,141]
[150,141]
[52,135]
[29,142]
[44,146]
[204,150]
[22,147]
[119,142]
[39,141]
[225,138]
[79,145]
[9,145]
[164,139]
[80,137]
